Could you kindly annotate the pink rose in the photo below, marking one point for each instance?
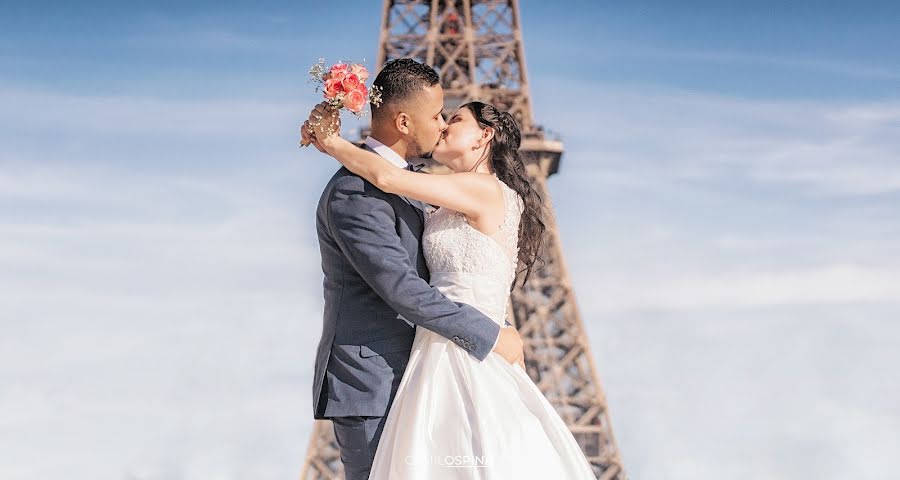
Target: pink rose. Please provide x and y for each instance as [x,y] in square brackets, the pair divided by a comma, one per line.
[337,72]
[337,76]
[350,82]
[338,68]
[355,100]
[333,87]
[360,71]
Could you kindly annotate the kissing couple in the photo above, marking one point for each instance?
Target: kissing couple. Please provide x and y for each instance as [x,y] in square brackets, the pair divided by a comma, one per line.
[418,367]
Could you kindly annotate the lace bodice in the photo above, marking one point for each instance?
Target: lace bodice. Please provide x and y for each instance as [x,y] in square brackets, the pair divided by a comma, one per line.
[470,266]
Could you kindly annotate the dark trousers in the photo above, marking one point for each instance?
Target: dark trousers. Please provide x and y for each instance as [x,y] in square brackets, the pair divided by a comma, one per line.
[357,438]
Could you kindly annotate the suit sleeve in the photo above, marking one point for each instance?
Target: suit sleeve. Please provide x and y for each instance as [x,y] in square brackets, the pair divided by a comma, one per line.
[362,222]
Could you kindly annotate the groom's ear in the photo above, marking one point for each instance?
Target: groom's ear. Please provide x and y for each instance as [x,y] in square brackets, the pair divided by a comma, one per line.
[401,121]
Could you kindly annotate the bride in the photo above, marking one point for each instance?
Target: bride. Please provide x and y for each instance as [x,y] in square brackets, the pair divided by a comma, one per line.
[454,417]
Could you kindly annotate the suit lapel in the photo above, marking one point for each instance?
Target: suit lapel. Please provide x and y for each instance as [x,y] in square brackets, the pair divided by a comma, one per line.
[420,208]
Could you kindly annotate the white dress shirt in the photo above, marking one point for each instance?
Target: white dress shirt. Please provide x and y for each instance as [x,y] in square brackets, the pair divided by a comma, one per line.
[387,152]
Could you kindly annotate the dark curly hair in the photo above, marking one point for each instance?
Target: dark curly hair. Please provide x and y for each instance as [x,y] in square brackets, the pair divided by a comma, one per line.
[400,79]
[509,166]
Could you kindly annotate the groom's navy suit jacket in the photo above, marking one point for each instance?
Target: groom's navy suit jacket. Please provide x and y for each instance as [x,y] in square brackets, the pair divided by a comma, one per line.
[374,271]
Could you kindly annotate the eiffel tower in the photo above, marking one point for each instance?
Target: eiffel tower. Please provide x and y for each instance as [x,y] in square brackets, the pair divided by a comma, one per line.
[476,46]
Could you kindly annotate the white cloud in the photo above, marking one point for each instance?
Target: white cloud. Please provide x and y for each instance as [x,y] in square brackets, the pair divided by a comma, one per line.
[634,138]
[736,263]
[670,291]
[107,116]
[159,338]
[794,391]
[743,59]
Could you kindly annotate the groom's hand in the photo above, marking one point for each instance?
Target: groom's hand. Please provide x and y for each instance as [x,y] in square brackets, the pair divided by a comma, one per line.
[510,346]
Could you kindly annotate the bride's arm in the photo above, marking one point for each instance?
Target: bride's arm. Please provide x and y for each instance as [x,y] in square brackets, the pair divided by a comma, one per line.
[466,193]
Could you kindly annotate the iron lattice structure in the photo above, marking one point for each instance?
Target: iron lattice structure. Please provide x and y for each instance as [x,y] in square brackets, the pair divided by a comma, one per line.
[477,48]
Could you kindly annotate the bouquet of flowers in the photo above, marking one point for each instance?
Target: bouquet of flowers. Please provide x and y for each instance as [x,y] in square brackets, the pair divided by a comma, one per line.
[343,86]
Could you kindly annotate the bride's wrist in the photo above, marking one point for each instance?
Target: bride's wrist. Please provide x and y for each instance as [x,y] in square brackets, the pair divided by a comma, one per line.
[330,141]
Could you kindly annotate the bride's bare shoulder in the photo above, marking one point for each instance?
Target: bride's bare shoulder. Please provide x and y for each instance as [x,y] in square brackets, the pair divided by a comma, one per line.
[490,212]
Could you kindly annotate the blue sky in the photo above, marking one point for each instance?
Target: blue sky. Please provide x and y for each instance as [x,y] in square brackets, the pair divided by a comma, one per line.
[728,204]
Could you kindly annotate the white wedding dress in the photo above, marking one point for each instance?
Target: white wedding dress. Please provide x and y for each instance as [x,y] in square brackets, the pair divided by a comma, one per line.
[454,417]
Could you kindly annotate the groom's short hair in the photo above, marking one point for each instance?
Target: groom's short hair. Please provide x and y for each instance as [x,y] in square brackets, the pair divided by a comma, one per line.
[400,80]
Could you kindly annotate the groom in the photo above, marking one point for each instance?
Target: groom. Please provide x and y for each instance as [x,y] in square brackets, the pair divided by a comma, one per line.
[376,279]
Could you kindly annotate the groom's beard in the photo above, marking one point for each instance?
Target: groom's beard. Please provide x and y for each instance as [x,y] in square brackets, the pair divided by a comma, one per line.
[428,153]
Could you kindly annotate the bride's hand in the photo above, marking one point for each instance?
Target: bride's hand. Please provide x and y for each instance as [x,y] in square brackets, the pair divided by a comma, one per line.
[323,123]
[307,138]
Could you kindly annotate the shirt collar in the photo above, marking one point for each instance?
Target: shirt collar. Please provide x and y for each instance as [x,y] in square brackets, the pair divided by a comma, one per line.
[386,152]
